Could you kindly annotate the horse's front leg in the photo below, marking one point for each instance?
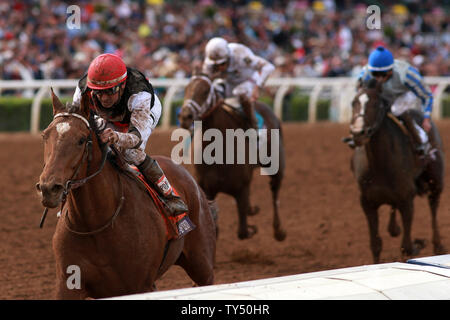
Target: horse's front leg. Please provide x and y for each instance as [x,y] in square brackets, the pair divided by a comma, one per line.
[371,212]
[278,230]
[245,231]
[433,200]
[407,212]
[435,179]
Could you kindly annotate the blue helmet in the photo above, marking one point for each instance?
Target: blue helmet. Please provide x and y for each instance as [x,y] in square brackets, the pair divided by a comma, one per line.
[381,59]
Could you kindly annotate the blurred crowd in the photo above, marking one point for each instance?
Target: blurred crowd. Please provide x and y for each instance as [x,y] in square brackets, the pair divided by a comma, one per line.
[165,38]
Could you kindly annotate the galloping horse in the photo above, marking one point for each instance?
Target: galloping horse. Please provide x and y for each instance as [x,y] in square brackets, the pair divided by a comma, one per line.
[202,102]
[389,172]
[109,227]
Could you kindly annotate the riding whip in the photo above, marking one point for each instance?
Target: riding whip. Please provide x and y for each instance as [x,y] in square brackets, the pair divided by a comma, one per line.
[44,214]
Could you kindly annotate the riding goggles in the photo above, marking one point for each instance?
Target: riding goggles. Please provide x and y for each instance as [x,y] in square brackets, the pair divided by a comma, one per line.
[219,66]
[377,74]
[109,91]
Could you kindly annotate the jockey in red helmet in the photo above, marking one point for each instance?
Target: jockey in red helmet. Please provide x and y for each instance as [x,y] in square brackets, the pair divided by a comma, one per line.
[127,112]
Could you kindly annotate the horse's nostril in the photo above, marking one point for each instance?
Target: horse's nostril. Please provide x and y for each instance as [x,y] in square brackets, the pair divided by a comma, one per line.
[57,188]
[38,187]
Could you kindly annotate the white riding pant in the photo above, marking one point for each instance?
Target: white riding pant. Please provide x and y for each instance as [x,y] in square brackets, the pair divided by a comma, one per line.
[235,89]
[406,102]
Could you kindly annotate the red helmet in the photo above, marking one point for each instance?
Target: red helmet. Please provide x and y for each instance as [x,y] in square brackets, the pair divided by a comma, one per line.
[106,71]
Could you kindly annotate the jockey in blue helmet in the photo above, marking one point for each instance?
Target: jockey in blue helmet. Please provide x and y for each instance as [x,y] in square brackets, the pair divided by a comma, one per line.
[402,85]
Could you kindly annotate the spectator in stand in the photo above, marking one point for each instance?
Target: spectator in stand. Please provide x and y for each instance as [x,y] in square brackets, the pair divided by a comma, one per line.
[315,38]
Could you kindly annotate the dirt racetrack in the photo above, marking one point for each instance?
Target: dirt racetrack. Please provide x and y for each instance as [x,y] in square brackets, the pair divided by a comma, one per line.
[326,228]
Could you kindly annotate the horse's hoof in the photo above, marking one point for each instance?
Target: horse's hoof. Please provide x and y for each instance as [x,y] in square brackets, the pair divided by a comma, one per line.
[394,231]
[280,234]
[254,211]
[250,232]
[439,249]
[414,250]
[419,244]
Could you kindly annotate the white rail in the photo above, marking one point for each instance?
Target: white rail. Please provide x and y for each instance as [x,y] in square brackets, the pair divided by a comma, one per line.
[342,91]
[419,279]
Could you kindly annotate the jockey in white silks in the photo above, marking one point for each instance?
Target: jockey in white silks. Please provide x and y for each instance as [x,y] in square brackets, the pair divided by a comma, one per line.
[239,72]
[403,87]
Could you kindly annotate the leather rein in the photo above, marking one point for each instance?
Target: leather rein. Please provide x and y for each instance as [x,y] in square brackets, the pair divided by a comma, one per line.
[76,183]
[204,110]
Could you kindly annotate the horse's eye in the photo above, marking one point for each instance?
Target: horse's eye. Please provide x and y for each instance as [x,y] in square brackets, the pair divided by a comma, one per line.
[82,141]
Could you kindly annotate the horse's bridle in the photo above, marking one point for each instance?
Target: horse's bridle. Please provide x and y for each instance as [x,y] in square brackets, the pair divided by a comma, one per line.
[73,184]
[209,105]
[369,131]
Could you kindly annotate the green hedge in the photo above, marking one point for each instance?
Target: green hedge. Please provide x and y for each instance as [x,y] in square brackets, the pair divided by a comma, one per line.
[15,112]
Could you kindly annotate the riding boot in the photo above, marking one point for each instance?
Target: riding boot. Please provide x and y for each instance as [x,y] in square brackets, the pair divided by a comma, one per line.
[420,147]
[248,107]
[179,221]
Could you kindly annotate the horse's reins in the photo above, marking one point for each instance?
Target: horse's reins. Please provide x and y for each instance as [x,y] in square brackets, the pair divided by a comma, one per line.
[204,110]
[73,184]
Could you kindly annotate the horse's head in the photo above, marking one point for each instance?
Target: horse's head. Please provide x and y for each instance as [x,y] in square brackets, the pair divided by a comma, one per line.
[67,141]
[368,111]
[200,99]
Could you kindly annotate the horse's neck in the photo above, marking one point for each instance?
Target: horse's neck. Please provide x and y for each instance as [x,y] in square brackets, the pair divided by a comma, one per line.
[95,201]
[386,146]
[219,120]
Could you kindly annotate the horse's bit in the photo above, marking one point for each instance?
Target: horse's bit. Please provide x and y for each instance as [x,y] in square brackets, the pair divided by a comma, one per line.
[73,184]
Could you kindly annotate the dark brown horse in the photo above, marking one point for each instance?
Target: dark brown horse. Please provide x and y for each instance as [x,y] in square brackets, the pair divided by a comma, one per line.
[388,171]
[110,229]
[202,102]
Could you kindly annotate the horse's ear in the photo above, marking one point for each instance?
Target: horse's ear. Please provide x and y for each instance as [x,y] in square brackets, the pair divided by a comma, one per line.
[57,105]
[84,104]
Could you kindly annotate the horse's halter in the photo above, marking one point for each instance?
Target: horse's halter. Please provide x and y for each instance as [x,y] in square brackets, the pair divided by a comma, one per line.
[73,184]
[87,154]
[208,106]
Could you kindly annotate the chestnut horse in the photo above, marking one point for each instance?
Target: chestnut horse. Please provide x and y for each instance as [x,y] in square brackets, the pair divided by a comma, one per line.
[110,229]
[388,170]
[202,102]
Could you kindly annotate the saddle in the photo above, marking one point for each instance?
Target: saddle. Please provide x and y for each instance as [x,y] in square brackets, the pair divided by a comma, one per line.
[116,158]
[422,159]
[234,108]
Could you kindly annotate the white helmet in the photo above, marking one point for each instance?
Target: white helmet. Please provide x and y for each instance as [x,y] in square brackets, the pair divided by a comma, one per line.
[216,51]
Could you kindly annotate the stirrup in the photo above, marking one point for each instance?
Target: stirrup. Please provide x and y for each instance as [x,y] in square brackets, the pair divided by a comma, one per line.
[423,149]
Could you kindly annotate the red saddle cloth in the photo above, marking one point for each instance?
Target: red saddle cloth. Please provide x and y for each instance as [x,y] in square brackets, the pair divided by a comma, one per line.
[160,205]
